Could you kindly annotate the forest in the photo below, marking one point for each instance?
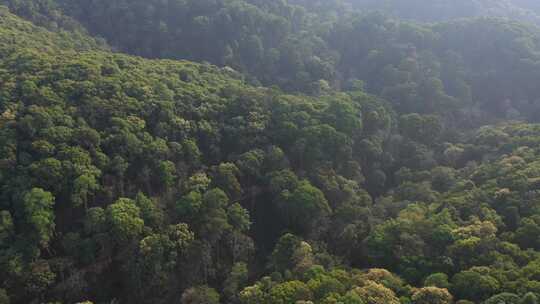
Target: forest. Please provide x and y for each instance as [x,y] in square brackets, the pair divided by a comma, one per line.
[269,152]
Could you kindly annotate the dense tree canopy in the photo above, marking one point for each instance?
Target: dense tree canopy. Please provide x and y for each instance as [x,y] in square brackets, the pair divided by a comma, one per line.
[386,161]
[467,71]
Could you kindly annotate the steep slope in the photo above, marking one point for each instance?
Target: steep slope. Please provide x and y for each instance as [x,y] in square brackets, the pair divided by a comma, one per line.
[129,178]
[18,34]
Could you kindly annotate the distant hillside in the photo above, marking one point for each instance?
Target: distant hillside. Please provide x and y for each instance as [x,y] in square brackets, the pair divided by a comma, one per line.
[18,34]
[461,69]
[443,10]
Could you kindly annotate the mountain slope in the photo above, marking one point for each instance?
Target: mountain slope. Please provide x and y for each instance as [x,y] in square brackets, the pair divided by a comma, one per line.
[18,34]
[119,174]
[465,67]
[439,10]
[132,180]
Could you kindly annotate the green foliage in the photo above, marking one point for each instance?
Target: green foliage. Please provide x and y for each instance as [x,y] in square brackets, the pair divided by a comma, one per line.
[213,213]
[167,173]
[123,219]
[252,295]
[315,48]
[239,217]
[236,280]
[126,179]
[529,298]
[509,298]
[95,221]
[304,207]
[6,226]
[289,292]
[375,293]
[437,280]
[4,299]
[282,256]
[39,216]
[437,11]
[473,285]
[151,213]
[431,295]
[200,295]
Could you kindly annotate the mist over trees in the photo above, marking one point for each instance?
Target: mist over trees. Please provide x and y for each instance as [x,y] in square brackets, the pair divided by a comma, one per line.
[440,10]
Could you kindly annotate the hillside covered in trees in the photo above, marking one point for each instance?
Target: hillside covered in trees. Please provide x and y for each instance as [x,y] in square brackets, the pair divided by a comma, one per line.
[268,152]
[461,69]
[441,10]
